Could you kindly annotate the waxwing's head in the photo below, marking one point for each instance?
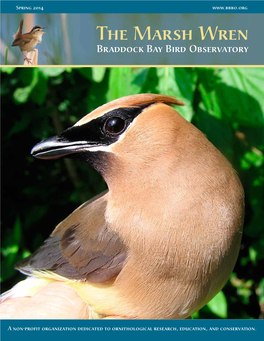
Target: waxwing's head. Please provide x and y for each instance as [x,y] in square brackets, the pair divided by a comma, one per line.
[132,127]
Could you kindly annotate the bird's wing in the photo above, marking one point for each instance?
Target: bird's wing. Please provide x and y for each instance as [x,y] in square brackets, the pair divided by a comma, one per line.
[22,40]
[82,247]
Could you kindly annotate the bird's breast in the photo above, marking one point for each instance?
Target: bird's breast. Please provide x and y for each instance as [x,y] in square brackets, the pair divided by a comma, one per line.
[39,39]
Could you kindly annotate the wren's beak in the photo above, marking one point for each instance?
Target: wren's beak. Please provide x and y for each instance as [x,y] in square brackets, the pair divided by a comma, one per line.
[55,147]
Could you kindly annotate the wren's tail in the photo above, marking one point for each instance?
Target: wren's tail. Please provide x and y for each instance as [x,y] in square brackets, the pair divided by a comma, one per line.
[19,31]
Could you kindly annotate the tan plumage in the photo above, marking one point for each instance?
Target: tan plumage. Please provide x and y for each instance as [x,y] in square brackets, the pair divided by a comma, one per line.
[165,237]
[27,41]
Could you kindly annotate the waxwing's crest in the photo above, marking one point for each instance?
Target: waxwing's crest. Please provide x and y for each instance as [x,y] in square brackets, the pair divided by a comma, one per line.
[129,101]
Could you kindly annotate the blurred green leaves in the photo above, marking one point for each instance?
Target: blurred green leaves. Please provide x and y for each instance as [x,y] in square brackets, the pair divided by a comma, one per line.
[234,94]
[124,82]
[11,252]
[52,71]
[35,87]
[218,305]
[246,89]
[21,94]
[226,104]
[179,83]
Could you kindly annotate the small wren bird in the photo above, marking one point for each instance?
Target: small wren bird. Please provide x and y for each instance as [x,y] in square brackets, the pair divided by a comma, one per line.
[164,238]
[28,41]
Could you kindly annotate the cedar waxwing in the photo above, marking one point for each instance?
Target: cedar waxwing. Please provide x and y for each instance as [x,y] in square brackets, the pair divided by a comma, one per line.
[164,238]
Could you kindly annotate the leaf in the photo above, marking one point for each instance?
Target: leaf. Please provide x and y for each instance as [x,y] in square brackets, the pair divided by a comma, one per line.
[150,84]
[119,83]
[207,79]
[233,94]
[95,74]
[39,92]
[8,70]
[241,95]
[253,255]
[256,251]
[260,291]
[10,250]
[21,95]
[253,158]
[124,82]
[11,243]
[98,74]
[179,83]
[52,71]
[218,305]
[195,315]
[217,131]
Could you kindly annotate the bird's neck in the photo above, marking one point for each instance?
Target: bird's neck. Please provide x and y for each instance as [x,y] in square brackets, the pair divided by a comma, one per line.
[144,193]
[166,190]
[38,36]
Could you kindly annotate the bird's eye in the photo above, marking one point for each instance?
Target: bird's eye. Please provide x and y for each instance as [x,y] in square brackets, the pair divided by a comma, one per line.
[115,125]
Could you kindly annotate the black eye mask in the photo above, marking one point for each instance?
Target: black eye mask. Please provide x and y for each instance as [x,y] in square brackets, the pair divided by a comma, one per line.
[96,133]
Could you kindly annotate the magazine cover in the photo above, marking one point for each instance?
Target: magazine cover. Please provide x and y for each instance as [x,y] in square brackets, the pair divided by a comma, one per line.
[132,169]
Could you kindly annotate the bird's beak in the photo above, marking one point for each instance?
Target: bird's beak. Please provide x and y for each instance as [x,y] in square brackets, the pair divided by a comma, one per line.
[56,147]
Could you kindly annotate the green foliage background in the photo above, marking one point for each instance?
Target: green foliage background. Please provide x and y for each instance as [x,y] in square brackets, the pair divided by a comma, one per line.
[227,104]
